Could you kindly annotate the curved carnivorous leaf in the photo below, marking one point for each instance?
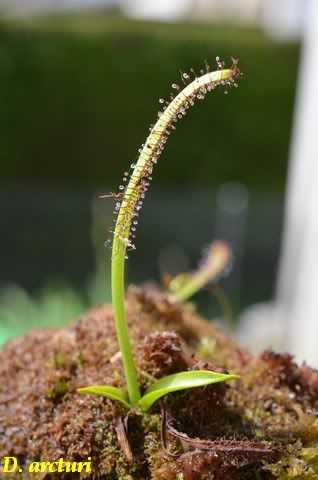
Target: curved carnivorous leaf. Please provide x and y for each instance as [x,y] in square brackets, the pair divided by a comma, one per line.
[112,393]
[180,381]
[130,198]
[215,262]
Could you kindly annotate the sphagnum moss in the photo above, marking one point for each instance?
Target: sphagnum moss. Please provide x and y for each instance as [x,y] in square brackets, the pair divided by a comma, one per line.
[274,402]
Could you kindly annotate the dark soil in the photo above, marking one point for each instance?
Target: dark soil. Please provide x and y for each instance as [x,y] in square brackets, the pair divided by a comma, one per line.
[263,426]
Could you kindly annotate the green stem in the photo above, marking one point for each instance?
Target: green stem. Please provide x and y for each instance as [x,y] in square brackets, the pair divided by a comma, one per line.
[118,295]
[191,287]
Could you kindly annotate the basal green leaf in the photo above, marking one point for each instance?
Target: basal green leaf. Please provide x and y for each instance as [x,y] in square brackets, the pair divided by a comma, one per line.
[180,381]
[113,393]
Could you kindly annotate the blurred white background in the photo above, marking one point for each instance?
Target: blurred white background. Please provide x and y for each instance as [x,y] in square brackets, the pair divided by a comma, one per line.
[284,18]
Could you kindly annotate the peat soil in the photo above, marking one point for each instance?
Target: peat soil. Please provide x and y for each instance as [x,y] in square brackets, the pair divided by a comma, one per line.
[262,426]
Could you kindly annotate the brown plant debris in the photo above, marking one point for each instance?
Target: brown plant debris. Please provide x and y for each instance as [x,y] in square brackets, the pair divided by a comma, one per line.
[121,427]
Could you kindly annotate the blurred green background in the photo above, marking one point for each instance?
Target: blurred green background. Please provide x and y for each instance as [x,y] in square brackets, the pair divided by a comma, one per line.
[78,93]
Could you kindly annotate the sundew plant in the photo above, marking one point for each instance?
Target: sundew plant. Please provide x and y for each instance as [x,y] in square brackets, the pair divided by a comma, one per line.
[129,202]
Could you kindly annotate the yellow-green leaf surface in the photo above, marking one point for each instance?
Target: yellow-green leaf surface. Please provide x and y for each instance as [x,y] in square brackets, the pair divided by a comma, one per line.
[112,393]
[180,381]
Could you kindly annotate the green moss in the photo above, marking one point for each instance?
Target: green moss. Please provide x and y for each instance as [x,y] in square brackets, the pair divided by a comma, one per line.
[206,348]
[59,360]
[297,466]
[59,389]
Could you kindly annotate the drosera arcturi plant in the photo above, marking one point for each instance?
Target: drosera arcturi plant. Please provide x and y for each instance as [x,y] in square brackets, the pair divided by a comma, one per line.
[128,204]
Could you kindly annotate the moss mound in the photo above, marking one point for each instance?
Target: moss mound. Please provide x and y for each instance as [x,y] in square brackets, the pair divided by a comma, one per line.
[264,426]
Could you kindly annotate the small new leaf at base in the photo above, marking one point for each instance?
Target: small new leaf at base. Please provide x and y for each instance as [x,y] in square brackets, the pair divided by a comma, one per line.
[112,393]
[180,381]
